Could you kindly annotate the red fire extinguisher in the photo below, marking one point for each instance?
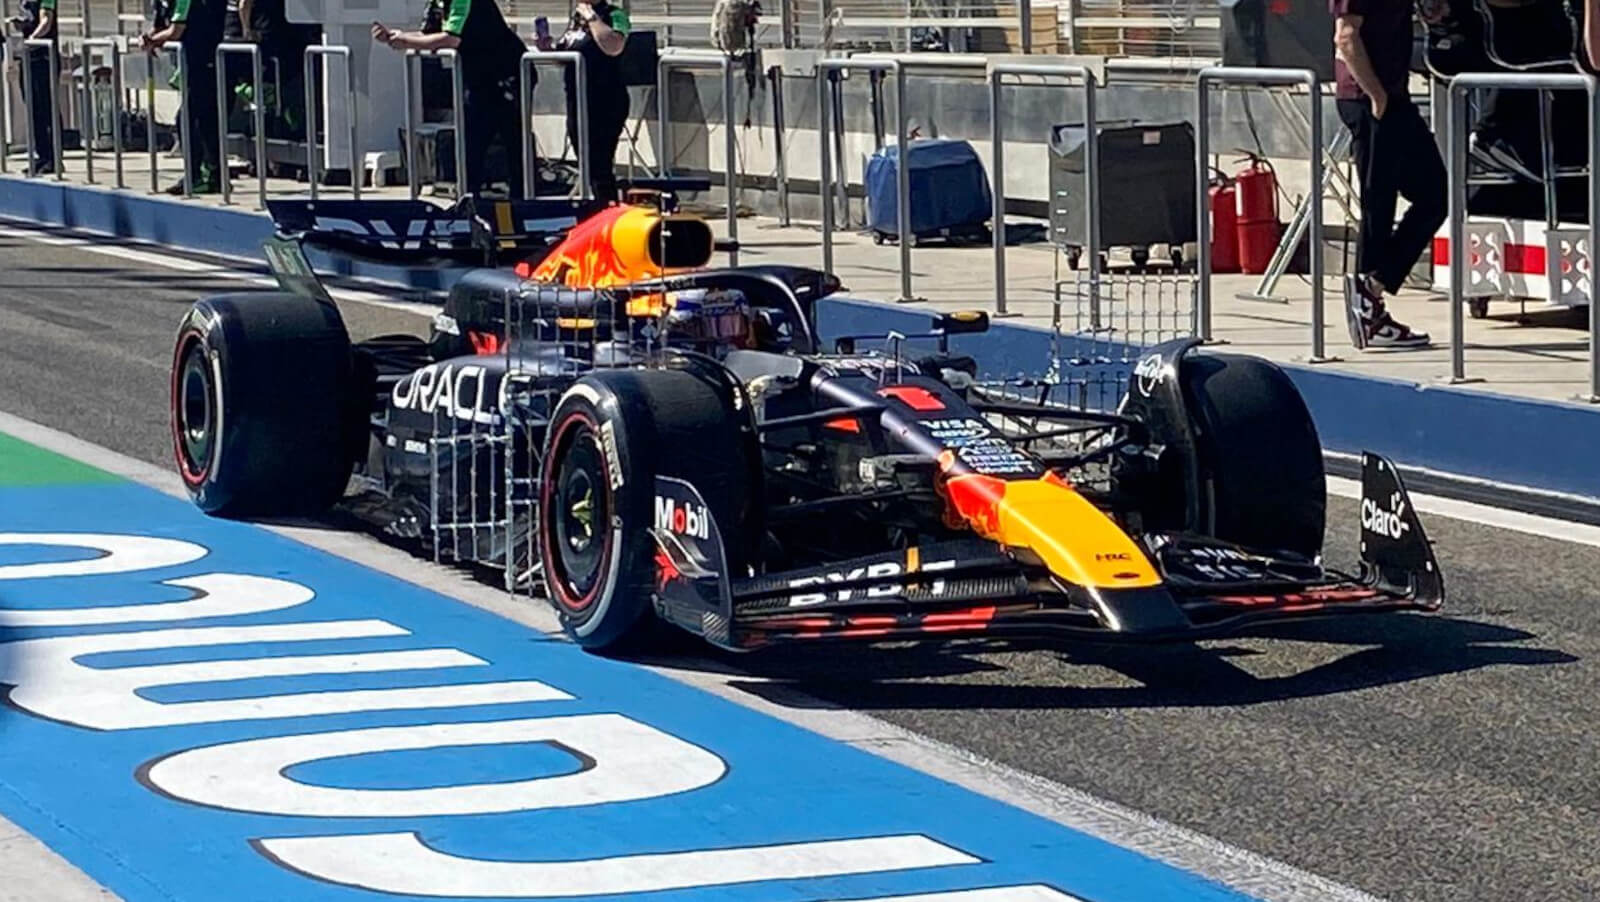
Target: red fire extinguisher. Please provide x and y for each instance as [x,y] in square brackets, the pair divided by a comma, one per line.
[1224,225]
[1258,225]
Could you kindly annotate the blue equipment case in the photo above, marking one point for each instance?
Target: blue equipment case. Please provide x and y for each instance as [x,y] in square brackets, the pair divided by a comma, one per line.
[950,195]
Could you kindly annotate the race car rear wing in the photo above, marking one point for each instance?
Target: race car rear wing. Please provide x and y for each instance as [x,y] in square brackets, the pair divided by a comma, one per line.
[471,232]
[414,232]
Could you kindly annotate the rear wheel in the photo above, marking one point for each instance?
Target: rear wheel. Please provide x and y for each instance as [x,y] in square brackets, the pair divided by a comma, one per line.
[611,435]
[1263,481]
[264,416]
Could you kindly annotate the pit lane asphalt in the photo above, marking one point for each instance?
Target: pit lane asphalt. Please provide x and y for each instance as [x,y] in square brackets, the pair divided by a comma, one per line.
[1417,757]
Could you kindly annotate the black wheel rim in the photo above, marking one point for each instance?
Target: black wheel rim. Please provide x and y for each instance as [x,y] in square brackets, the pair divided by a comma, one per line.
[195,410]
[581,514]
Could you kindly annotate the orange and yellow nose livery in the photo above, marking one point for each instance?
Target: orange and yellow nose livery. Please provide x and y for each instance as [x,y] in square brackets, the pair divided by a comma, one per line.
[1072,537]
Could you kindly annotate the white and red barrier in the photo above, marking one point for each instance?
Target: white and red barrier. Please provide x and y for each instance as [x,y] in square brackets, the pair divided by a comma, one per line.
[1519,258]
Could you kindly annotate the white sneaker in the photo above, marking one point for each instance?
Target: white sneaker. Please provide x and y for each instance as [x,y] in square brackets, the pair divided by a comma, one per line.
[1369,321]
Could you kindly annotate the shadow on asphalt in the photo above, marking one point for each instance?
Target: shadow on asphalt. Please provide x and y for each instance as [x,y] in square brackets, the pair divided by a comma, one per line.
[1384,650]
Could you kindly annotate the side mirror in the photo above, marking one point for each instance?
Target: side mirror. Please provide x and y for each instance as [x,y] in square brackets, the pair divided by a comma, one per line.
[962,322]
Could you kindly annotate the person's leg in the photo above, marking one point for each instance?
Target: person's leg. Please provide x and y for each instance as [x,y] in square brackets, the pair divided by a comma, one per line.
[606,122]
[1421,180]
[204,151]
[39,110]
[509,126]
[1377,165]
[1378,192]
[477,123]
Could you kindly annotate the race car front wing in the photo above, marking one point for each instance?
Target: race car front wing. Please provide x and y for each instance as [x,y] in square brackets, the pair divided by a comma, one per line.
[973,587]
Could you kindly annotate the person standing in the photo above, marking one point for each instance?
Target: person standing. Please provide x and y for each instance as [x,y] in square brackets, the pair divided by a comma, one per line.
[489,54]
[599,32]
[198,25]
[38,22]
[1396,156]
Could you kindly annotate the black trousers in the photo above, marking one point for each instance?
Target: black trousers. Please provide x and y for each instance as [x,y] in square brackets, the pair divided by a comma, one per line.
[492,113]
[44,153]
[608,116]
[1395,157]
[201,147]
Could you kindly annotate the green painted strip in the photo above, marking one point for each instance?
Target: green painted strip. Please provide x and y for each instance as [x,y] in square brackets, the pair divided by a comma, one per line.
[24,464]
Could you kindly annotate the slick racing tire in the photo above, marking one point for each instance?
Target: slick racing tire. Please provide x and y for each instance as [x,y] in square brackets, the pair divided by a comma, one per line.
[1256,442]
[611,434]
[263,405]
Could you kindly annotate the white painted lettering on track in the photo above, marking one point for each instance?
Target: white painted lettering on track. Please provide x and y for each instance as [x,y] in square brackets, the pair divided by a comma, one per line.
[117,554]
[215,595]
[631,761]
[400,863]
[1034,892]
[50,682]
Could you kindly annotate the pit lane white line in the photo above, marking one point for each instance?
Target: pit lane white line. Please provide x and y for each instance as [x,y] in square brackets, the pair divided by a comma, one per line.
[1245,871]
[223,268]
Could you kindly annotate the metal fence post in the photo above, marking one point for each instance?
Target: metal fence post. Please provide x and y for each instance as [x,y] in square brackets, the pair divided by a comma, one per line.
[902,179]
[54,52]
[1256,77]
[825,164]
[357,168]
[730,150]
[1456,142]
[5,116]
[703,60]
[997,72]
[1025,24]
[115,50]
[779,129]
[663,119]
[580,86]
[458,106]
[1593,90]
[413,175]
[902,176]
[1456,147]
[258,103]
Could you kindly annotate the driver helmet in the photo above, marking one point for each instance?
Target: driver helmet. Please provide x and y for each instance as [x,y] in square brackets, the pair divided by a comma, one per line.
[711,316]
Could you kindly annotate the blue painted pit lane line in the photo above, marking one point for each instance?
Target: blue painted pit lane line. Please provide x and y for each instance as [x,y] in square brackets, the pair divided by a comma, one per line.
[343,734]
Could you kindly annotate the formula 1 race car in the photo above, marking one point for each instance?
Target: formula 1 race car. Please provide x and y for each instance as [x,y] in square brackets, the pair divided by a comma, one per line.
[682,449]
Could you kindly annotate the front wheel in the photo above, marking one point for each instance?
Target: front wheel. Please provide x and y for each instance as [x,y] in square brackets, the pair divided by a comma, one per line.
[611,436]
[1259,451]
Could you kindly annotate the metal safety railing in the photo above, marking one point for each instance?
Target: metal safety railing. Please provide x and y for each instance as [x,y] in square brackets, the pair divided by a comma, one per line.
[897,68]
[357,167]
[1456,144]
[670,59]
[258,107]
[780,130]
[1252,77]
[176,49]
[826,75]
[54,51]
[5,110]
[1091,167]
[113,47]
[580,86]
[457,104]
